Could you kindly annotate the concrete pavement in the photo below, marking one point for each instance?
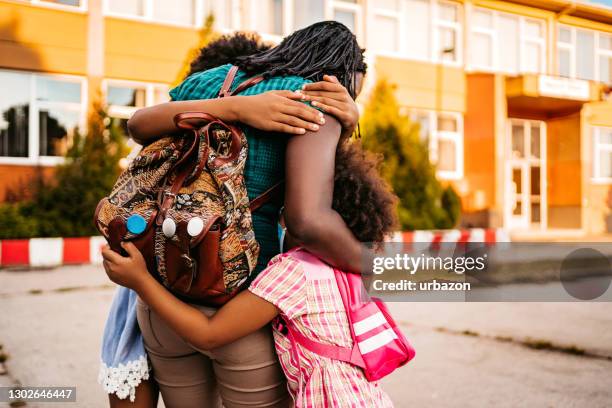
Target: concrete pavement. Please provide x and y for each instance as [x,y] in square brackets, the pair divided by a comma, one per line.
[468,355]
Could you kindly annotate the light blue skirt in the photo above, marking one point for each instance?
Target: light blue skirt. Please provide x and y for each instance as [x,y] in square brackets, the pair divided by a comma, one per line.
[124,359]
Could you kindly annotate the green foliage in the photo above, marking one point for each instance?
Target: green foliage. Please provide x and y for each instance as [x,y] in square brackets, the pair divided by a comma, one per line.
[451,203]
[64,206]
[424,203]
[14,223]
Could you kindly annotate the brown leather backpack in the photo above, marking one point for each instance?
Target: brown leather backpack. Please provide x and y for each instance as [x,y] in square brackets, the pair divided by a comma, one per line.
[184,204]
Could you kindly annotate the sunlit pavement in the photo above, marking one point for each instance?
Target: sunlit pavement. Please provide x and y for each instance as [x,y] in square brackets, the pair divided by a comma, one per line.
[468,355]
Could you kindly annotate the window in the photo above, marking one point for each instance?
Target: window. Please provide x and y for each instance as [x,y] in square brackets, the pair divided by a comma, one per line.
[604,55]
[447,33]
[533,44]
[585,50]
[421,29]
[59,112]
[508,60]
[268,16]
[180,12]
[564,52]
[175,11]
[483,38]
[602,154]
[126,97]
[75,5]
[38,115]
[584,54]
[281,17]
[223,11]
[15,111]
[386,23]
[306,12]
[506,42]
[348,13]
[127,7]
[443,133]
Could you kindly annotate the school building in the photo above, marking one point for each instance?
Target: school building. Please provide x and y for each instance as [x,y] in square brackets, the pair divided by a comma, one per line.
[512,96]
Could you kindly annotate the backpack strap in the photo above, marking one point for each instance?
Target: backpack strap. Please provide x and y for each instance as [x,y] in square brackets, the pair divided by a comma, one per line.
[349,355]
[274,193]
[246,84]
[165,196]
[185,120]
[229,80]
[227,83]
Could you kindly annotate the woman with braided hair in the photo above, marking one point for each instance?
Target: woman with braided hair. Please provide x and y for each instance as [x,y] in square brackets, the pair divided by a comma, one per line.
[321,64]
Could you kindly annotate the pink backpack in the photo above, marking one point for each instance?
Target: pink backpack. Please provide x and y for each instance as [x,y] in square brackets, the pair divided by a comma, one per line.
[379,347]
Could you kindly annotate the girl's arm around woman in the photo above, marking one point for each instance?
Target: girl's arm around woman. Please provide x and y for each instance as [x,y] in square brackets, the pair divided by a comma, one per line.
[244,314]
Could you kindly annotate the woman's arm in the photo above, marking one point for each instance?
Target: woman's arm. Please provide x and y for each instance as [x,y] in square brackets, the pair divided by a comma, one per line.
[274,111]
[242,315]
[309,217]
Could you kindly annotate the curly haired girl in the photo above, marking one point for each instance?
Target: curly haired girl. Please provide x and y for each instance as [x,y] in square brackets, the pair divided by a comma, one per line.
[311,301]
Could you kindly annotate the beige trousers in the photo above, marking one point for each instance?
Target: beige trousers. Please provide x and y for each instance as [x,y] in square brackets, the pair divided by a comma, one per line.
[245,373]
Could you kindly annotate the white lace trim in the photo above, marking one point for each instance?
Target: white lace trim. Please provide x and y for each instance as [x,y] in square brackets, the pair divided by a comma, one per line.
[124,379]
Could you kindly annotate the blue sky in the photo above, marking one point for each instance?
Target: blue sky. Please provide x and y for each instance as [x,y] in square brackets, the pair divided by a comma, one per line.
[606,2]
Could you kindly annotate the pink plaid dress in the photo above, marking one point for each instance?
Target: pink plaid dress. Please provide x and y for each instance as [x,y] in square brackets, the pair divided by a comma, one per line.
[312,302]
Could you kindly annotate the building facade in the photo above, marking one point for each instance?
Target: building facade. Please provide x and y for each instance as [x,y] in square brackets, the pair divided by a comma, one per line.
[511,96]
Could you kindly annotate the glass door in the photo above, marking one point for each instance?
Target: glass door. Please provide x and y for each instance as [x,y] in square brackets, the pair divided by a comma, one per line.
[526,175]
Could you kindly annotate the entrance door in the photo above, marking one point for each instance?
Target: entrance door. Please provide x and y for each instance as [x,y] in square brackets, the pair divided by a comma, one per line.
[526,175]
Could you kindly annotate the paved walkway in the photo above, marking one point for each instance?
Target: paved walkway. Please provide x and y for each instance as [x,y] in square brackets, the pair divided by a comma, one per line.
[468,355]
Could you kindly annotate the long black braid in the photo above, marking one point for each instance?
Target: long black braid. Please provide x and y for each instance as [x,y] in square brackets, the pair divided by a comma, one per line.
[327,47]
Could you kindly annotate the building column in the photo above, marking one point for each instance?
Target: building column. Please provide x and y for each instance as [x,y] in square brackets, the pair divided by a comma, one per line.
[95,51]
[497,213]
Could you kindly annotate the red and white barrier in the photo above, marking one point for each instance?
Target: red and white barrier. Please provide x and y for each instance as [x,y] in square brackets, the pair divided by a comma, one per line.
[48,252]
[487,235]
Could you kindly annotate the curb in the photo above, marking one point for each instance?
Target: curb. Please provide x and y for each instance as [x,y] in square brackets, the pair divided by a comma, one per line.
[49,252]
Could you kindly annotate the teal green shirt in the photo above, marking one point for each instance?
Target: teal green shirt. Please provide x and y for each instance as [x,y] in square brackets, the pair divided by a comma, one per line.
[265,163]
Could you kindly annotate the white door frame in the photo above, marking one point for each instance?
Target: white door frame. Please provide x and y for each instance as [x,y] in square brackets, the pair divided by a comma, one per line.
[525,163]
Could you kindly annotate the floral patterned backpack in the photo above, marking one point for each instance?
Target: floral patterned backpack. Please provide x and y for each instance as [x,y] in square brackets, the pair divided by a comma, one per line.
[184,204]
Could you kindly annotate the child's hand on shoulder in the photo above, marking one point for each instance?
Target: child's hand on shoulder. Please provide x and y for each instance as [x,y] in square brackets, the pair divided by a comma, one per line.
[129,271]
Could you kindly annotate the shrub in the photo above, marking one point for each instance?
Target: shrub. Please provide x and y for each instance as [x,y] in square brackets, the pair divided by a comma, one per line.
[14,224]
[451,203]
[424,203]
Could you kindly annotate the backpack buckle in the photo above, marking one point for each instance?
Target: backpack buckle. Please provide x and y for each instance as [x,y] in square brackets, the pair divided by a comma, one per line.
[167,199]
[164,205]
[168,193]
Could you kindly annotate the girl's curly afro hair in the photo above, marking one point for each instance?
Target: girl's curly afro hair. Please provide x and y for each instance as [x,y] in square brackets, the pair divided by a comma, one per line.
[362,198]
[226,49]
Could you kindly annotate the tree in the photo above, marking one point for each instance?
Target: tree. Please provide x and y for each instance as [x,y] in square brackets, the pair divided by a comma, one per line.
[424,203]
[64,205]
